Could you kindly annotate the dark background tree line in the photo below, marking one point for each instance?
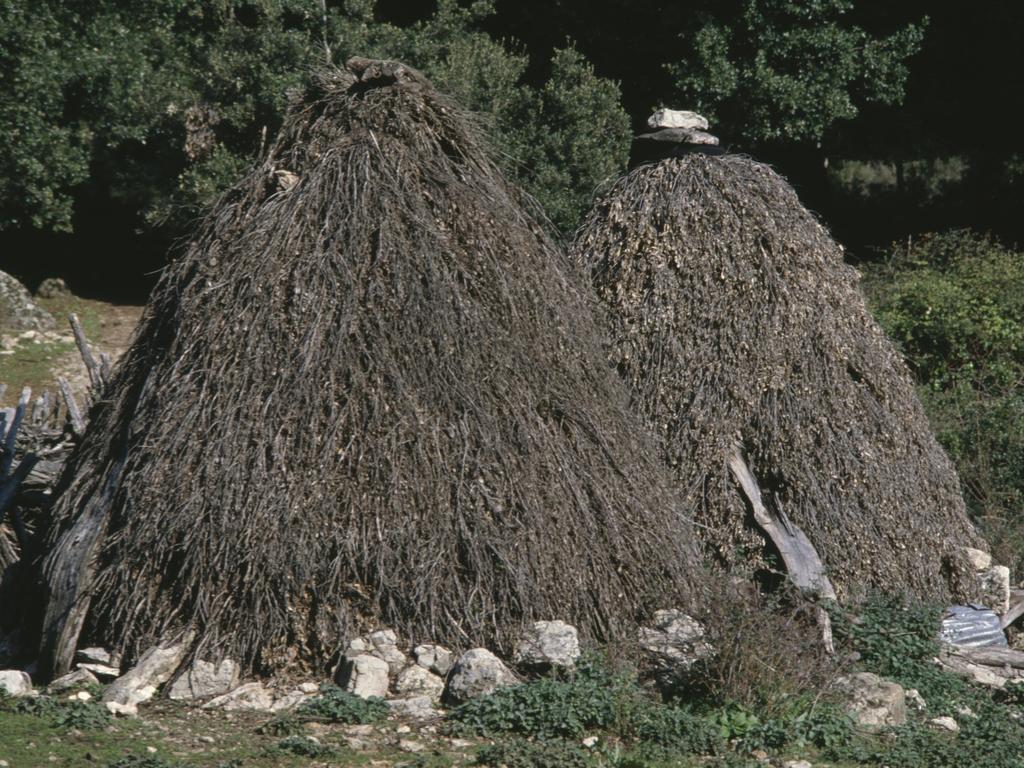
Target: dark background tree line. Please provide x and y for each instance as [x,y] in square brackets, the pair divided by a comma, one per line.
[121,121]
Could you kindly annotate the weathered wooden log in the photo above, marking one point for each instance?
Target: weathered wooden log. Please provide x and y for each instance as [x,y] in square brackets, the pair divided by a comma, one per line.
[74,413]
[68,573]
[801,559]
[10,480]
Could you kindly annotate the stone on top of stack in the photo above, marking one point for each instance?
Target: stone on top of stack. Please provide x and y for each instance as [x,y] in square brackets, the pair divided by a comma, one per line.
[676,132]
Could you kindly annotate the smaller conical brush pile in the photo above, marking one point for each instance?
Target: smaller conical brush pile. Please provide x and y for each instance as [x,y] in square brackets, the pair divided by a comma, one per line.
[737,324]
[372,392]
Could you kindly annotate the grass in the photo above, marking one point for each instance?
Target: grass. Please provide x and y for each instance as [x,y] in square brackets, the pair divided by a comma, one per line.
[181,738]
[35,364]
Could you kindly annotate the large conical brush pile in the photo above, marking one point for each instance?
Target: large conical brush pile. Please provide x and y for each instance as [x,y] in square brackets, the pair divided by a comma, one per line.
[372,392]
[736,321]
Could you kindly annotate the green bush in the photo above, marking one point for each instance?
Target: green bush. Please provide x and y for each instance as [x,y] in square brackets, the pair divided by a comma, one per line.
[61,713]
[158,106]
[520,753]
[303,746]
[892,633]
[897,638]
[590,698]
[335,705]
[143,761]
[954,303]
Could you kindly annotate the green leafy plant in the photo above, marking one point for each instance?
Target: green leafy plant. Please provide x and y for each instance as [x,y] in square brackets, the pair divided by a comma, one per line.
[61,713]
[954,303]
[521,753]
[143,761]
[335,705]
[589,698]
[304,746]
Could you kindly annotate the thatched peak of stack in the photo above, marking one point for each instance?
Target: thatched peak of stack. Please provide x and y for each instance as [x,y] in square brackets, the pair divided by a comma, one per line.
[736,319]
[371,393]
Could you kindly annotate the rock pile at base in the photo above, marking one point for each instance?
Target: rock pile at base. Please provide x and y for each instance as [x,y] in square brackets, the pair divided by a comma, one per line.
[415,685]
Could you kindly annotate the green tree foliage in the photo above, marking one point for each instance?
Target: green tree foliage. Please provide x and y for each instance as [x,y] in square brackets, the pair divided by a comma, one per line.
[162,103]
[955,304]
[786,70]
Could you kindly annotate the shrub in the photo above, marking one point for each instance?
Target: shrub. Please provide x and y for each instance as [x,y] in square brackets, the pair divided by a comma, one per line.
[955,305]
[61,713]
[303,746]
[589,698]
[143,761]
[520,753]
[335,705]
[769,653]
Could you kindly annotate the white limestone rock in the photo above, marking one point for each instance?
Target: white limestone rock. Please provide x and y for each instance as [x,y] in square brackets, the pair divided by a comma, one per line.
[478,672]
[205,679]
[872,701]
[76,679]
[980,560]
[365,676]
[250,697]
[677,118]
[15,682]
[414,680]
[414,708]
[435,658]
[546,644]
[153,669]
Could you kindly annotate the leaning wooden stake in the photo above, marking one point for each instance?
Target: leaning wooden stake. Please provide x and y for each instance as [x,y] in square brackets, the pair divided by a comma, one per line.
[74,412]
[800,557]
[95,376]
[10,480]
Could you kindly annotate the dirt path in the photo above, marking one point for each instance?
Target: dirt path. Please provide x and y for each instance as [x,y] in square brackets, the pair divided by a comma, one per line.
[37,359]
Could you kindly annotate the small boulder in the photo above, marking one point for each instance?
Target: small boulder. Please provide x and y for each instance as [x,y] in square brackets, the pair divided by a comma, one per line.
[915,699]
[677,118]
[435,658]
[546,644]
[872,701]
[52,288]
[675,642]
[153,669]
[365,676]
[384,645]
[97,656]
[250,697]
[77,679]
[103,672]
[414,707]
[945,724]
[15,682]
[478,672]
[416,681]
[980,560]
[205,679]
[995,588]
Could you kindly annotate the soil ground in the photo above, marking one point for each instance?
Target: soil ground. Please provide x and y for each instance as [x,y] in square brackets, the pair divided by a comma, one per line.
[37,359]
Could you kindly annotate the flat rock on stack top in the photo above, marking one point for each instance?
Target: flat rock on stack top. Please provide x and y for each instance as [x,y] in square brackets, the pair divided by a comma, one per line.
[677,118]
[677,132]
